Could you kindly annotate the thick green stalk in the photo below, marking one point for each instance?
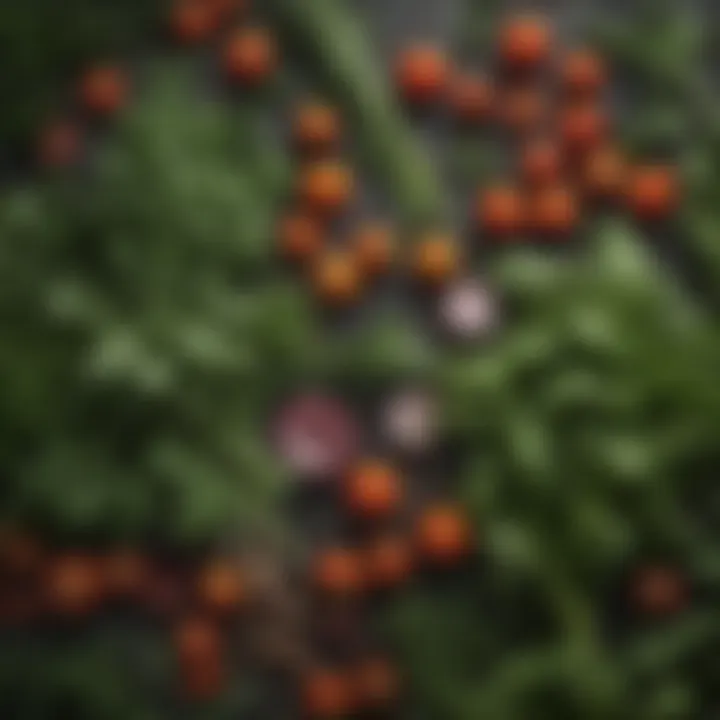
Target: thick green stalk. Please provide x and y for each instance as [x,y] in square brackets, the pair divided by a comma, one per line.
[333,39]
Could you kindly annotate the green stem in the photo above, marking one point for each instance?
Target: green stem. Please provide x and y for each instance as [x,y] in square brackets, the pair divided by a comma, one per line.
[334,40]
[583,648]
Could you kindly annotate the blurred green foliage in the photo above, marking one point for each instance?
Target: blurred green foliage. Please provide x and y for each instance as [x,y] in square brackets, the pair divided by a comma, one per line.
[44,44]
[588,436]
[581,431]
[142,322]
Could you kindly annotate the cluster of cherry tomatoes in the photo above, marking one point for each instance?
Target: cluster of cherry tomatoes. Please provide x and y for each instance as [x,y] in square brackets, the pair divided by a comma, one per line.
[203,602]
[70,586]
[248,58]
[553,105]
[326,186]
[374,492]
[324,190]
[320,440]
